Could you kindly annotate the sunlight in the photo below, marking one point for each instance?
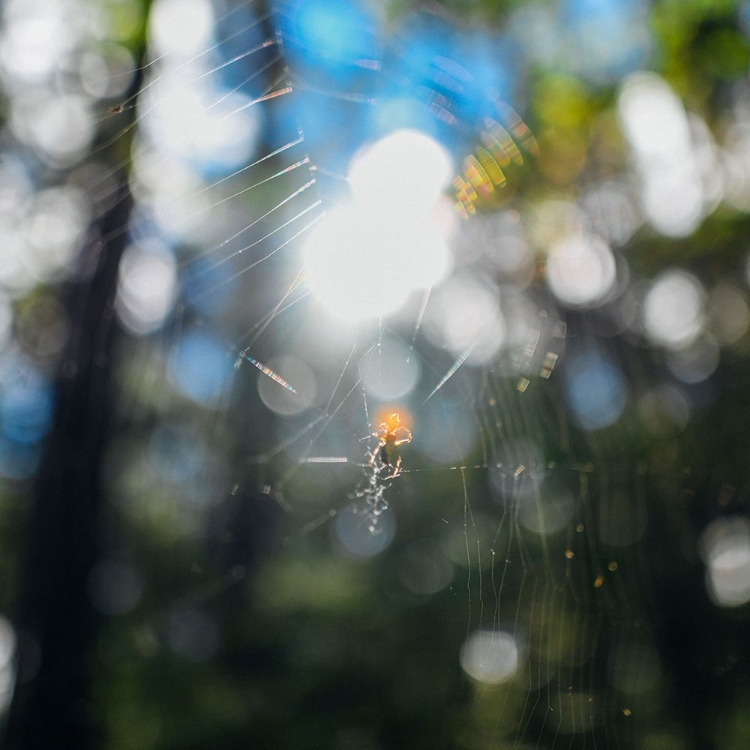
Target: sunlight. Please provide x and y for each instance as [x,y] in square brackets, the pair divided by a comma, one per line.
[363,262]
[405,172]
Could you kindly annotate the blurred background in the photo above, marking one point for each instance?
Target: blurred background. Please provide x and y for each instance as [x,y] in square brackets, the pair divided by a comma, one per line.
[238,237]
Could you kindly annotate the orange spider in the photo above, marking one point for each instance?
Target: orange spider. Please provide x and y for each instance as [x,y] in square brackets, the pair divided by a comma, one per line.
[390,435]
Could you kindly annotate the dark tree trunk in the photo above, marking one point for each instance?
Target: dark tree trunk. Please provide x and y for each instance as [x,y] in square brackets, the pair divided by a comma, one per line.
[56,622]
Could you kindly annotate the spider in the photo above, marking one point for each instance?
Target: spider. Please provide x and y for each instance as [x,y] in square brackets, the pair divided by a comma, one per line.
[390,434]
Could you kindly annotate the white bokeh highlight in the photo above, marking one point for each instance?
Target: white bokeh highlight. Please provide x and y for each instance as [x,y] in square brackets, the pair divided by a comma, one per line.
[299,375]
[490,657]
[146,286]
[673,309]
[725,548]
[581,270]
[465,318]
[405,172]
[675,195]
[365,260]
[180,28]
[390,371]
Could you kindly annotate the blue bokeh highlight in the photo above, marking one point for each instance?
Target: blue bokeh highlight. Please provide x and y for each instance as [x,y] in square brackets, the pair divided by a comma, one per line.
[594,389]
[27,405]
[200,367]
[429,76]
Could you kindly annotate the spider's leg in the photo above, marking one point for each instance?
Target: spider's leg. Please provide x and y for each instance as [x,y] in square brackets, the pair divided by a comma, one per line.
[376,452]
[403,431]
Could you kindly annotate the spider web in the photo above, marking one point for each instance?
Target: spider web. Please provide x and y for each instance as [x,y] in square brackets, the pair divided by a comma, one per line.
[551,618]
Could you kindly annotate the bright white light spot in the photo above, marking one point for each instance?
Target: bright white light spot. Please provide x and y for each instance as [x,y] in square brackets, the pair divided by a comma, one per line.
[320,339]
[404,172]
[673,309]
[108,72]
[157,172]
[490,656]
[14,273]
[181,27]
[581,270]
[652,115]
[54,229]
[389,371]
[299,375]
[363,262]
[183,121]
[654,122]
[171,190]
[36,36]
[92,69]
[725,548]
[146,287]
[673,203]
[463,314]
[60,126]
[360,267]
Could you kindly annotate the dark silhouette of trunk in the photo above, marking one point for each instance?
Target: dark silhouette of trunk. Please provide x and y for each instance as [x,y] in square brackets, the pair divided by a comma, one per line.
[56,622]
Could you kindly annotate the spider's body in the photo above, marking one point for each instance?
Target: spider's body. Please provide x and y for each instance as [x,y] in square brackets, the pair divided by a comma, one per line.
[391,435]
